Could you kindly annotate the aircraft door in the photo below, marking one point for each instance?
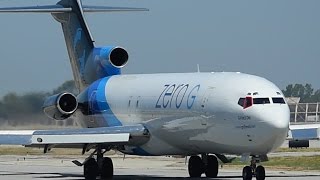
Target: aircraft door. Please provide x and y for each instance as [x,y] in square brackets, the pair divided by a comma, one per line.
[133,106]
[92,108]
[130,106]
[207,96]
[92,100]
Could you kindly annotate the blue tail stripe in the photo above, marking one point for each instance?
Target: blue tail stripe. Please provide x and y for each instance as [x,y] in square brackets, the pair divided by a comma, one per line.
[103,105]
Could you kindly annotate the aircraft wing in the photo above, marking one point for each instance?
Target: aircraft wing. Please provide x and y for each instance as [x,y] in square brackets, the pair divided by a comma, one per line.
[77,138]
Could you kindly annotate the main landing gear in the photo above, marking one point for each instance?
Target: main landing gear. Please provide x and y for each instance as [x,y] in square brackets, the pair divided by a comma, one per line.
[207,164]
[253,170]
[101,166]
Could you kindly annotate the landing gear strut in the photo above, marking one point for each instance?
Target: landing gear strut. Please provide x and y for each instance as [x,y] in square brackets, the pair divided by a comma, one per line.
[207,164]
[253,170]
[101,166]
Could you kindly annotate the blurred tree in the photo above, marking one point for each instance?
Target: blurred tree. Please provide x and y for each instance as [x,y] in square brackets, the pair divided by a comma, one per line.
[308,92]
[67,86]
[305,92]
[3,114]
[13,105]
[316,96]
[34,100]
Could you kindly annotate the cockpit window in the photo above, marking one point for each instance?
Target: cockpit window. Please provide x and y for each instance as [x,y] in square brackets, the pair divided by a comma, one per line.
[245,102]
[249,101]
[278,100]
[261,101]
[241,101]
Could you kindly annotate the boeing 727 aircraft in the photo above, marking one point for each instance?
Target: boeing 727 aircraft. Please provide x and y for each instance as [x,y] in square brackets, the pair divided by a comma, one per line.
[202,115]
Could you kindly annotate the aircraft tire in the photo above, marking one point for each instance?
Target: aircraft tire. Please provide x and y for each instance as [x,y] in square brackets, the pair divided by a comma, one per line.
[195,166]
[212,167]
[107,168]
[247,173]
[90,169]
[260,173]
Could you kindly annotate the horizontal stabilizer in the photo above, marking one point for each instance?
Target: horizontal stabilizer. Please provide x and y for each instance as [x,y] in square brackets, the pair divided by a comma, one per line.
[110,9]
[37,9]
[60,9]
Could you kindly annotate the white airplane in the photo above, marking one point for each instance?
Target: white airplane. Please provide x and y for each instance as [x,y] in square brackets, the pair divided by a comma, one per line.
[191,114]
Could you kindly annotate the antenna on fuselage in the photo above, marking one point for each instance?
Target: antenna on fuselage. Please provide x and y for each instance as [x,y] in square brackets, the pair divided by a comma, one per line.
[198,68]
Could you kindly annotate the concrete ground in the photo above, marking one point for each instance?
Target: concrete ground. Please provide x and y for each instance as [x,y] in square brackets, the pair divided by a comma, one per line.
[136,168]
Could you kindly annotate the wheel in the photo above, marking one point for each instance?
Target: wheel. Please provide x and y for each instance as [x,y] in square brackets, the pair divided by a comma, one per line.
[260,173]
[107,168]
[90,169]
[195,166]
[247,173]
[212,167]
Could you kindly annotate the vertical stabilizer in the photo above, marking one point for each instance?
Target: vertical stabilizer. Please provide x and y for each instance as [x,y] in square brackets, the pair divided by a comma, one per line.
[88,63]
[78,39]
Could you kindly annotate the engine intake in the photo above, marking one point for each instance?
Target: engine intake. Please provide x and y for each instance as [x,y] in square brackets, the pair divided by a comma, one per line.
[60,106]
[118,57]
[107,61]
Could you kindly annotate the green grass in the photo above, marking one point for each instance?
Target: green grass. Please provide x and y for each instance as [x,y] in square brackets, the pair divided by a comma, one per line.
[298,150]
[20,150]
[285,163]
[295,163]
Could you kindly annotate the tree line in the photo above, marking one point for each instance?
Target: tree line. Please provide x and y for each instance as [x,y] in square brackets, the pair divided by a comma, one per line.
[15,106]
[306,93]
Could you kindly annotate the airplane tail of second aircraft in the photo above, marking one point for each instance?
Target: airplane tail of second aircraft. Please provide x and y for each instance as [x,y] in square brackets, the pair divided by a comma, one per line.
[88,62]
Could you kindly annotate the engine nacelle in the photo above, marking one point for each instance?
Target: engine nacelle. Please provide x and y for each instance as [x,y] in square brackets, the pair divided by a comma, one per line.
[109,60]
[60,106]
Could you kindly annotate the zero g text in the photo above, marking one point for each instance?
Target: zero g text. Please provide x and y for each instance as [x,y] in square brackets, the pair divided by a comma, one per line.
[177,95]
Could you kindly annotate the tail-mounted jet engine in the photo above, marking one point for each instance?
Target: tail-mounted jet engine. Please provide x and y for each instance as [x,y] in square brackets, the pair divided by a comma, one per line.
[60,106]
[109,60]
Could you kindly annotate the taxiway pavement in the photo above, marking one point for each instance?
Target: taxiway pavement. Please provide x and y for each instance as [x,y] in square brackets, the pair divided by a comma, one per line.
[129,168]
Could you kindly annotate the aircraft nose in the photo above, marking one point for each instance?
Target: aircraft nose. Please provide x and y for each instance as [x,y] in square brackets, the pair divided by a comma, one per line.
[279,117]
[276,120]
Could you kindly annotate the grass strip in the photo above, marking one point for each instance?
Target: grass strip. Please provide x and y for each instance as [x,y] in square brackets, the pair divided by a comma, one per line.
[299,163]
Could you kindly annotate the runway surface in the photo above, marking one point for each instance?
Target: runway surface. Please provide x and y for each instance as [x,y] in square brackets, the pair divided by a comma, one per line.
[61,168]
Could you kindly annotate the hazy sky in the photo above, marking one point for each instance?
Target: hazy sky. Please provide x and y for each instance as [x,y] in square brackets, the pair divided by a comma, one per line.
[276,39]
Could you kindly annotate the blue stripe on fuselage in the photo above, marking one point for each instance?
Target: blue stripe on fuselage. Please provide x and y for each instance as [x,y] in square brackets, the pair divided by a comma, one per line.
[98,102]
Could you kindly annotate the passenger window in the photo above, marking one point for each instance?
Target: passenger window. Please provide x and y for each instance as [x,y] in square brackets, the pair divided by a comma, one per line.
[261,101]
[278,100]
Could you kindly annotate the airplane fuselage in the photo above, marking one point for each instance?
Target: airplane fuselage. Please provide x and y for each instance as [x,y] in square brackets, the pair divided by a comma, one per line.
[190,113]
[154,114]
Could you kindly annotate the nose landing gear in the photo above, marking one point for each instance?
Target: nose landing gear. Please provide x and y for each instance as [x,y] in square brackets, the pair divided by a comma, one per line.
[253,170]
[207,164]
